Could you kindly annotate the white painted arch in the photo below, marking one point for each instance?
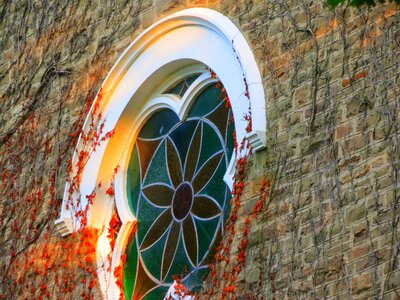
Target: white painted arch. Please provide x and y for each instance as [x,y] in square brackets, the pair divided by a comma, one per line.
[182,43]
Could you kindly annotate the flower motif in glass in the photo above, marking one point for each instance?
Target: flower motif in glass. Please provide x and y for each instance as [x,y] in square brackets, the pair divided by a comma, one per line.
[176,191]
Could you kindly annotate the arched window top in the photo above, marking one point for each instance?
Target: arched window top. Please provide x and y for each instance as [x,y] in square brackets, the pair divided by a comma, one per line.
[165,68]
[205,36]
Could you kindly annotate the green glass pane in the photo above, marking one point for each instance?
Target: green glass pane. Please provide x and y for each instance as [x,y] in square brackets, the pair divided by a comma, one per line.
[220,118]
[205,102]
[156,294]
[216,187]
[147,214]
[133,184]
[157,170]
[206,231]
[159,124]
[192,78]
[228,197]
[130,268]
[181,87]
[178,88]
[192,283]
[152,257]
[181,135]
[181,264]
[211,144]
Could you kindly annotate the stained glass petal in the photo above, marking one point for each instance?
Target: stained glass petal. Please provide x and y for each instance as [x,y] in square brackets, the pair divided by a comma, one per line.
[204,175]
[190,239]
[174,164]
[205,207]
[157,229]
[192,156]
[209,258]
[170,248]
[159,194]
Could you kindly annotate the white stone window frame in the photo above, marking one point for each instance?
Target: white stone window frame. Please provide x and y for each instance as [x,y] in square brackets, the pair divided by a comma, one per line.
[177,45]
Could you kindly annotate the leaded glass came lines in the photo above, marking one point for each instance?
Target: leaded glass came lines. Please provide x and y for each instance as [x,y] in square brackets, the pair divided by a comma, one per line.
[177,193]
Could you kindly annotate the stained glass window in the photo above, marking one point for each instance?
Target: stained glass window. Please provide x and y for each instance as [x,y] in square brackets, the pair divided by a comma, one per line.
[176,191]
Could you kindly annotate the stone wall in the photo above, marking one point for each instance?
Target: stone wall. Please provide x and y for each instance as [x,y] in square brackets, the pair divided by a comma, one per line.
[331,80]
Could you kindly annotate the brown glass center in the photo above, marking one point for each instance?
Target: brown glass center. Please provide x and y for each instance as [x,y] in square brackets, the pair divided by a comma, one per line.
[182,201]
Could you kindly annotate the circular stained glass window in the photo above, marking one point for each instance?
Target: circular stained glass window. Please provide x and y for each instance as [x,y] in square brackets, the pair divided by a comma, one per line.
[177,193]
